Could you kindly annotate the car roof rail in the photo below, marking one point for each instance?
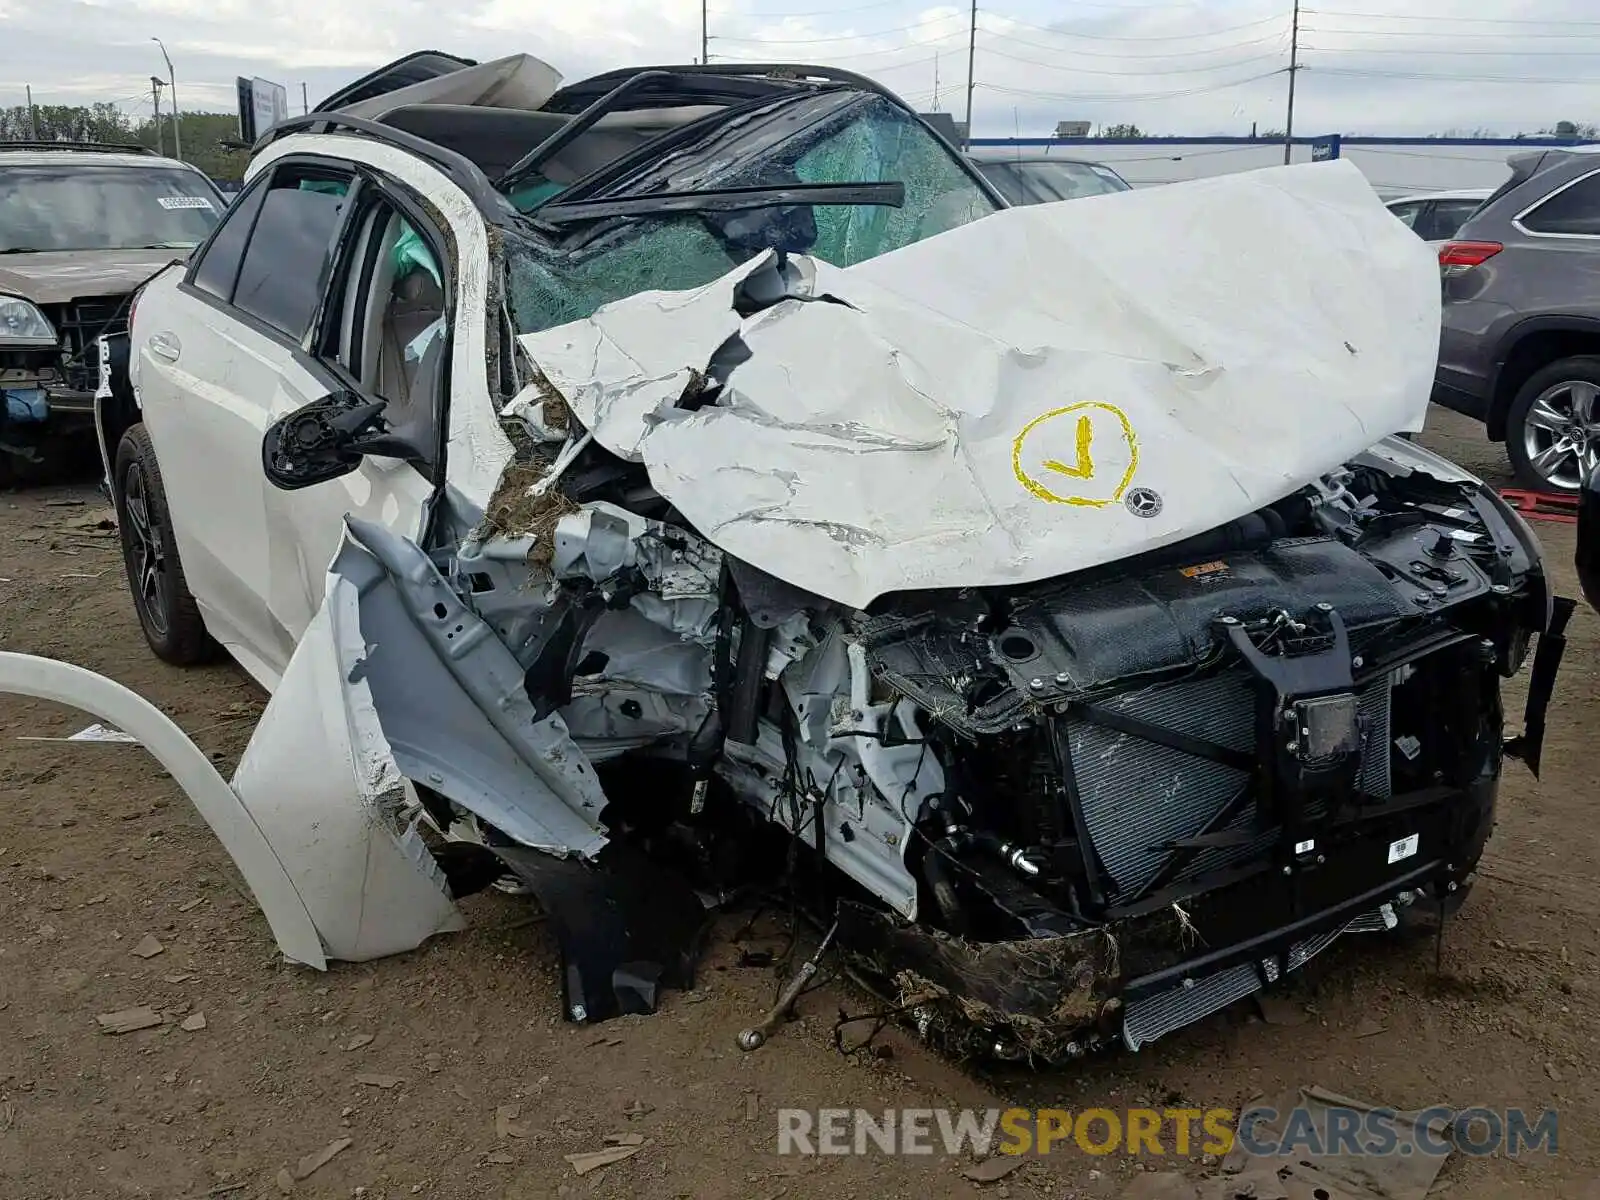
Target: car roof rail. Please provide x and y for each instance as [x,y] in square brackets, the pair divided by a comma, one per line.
[91,147]
[462,170]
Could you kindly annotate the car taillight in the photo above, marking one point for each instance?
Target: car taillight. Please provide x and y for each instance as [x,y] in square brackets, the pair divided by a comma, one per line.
[1456,257]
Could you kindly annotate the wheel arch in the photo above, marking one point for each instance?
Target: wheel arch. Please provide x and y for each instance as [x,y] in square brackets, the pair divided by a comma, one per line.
[1529,346]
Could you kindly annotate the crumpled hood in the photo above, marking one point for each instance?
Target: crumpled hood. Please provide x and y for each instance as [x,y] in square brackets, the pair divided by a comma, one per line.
[1038,392]
[54,277]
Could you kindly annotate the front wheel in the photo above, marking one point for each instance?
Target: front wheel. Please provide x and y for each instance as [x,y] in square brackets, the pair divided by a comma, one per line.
[167,610]
[1553,428]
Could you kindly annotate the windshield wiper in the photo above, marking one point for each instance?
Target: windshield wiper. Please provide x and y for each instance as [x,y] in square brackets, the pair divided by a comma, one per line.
[885,195]
[21,250]
[167,246]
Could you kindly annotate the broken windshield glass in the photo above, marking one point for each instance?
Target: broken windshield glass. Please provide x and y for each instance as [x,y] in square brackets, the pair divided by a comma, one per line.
[868,141]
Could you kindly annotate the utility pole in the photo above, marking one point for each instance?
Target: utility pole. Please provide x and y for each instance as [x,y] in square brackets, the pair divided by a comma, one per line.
[33,129]
[705,34]
[305,100]
[156,84]
[172,84]
[934,105]
[1294,69]
[972,54]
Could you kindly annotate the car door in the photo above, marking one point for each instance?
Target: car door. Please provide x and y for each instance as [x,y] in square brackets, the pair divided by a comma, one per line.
[218,355]
[237,348]
[384,334]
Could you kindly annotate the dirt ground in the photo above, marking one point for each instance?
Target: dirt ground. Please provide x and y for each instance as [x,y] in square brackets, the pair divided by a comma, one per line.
[98,849]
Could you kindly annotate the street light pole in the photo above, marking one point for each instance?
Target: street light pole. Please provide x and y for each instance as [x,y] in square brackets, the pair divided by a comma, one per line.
[172,88]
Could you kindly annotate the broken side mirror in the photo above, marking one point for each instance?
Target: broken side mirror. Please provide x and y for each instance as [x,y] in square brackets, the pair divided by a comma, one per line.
[327,439]
[1587,558]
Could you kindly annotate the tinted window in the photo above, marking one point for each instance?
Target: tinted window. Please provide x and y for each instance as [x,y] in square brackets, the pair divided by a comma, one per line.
[219,265]
[285,267]
[1408,212]
[75,205]
[1448,216]
[1573,210]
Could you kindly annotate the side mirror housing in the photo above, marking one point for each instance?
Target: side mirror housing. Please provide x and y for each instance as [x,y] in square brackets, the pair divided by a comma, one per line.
[327,439]
[1587,558]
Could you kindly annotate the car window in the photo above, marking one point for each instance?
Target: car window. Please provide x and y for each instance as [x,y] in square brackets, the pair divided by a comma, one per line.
[1448,216]
[392,336]
[1408,212]
[1043,182]
[73,205]
[285,265]
[218,266]
[1574,210]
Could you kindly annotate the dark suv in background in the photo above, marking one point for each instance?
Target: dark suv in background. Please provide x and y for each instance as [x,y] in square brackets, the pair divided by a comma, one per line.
[1520,344]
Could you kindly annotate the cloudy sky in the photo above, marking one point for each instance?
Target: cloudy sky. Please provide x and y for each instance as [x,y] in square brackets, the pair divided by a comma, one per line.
[1203,66]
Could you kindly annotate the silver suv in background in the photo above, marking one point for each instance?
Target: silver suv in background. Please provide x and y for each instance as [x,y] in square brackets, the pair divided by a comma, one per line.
[1040,179]
[1520,343]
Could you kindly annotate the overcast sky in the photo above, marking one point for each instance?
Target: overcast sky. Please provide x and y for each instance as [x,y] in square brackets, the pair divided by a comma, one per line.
[1207,66]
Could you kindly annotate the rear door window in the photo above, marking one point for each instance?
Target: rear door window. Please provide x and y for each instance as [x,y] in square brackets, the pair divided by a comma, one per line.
[1574,211]
[286,263]
[1447,217]
[218,266]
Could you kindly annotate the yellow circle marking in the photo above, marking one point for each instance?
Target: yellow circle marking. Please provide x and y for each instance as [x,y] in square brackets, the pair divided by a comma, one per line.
[1082,465]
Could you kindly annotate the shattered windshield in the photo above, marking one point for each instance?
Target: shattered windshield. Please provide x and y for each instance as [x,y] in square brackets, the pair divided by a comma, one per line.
[81,206]
[868,140]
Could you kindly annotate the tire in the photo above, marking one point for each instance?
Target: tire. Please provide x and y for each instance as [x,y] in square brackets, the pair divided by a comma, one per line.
[167,610]
[1559,404]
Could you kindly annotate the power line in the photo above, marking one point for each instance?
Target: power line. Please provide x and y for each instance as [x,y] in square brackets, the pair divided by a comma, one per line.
[1145,72]
[1493,53]
[1432,20]
[1129,97]
[1159,54]
[1437,36]
[939,43]
[1451,78]
[1148,37]
[849,37]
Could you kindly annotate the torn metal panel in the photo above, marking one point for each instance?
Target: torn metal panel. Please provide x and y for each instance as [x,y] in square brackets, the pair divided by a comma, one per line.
[964,419]
[218,805]
[450,699]
[321,782]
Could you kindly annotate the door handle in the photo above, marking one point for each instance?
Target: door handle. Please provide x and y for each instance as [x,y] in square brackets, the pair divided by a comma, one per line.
[164,345]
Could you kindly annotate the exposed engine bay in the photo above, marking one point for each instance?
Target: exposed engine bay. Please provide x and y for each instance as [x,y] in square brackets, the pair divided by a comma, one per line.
[1092,808]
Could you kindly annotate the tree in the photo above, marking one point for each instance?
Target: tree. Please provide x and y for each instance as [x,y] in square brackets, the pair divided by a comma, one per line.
[1272,135]
[205,135]
[1120,131]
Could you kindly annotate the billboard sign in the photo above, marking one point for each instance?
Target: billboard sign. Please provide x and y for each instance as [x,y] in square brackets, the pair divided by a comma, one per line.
[262,104]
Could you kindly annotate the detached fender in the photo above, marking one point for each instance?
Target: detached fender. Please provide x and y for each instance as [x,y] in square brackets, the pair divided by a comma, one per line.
[218,805]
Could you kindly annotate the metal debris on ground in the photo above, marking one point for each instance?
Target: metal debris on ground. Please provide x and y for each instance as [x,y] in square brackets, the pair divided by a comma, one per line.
[148,947]
[593,1160]
[128,1020]
[505,1122]
[312,1163]
[756,1036]
[992,1169]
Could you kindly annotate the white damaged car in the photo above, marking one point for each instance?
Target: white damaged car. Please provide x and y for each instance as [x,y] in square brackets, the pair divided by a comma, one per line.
[693,478]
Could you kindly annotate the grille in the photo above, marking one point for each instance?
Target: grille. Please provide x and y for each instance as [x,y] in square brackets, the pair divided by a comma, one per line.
[1136,794]
[79,322]
[1146,1020]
